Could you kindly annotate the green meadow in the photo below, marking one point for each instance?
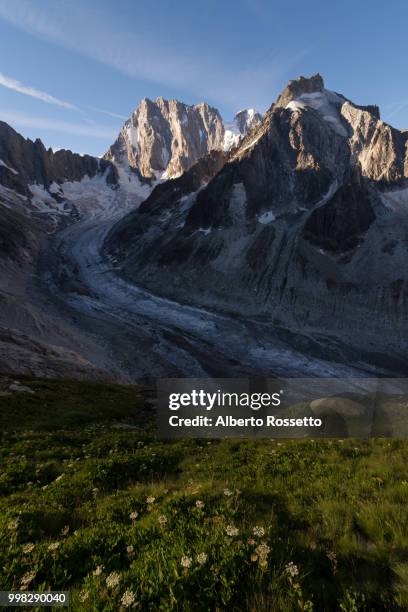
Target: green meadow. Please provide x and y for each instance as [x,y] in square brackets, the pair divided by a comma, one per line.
[92,503]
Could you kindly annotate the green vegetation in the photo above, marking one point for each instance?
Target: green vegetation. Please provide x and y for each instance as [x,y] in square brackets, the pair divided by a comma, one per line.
[99,507]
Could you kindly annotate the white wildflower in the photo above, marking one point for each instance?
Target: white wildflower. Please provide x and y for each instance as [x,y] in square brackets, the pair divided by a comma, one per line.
[112,580]
[186,562]
[201,558]
[292,569]
[128,598]
[200,504]
[231,530]
[13,525]
[259,532]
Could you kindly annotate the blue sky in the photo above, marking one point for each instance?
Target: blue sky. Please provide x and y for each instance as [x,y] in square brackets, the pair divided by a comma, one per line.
[71,71]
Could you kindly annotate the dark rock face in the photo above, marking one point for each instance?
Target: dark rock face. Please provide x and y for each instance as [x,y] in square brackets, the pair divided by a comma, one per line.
[19,235]
[25,162]
[170,192]
[164,204]
[305,225]
[260,247]
[340,224]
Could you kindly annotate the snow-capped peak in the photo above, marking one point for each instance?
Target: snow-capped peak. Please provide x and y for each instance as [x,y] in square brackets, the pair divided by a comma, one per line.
[244,121]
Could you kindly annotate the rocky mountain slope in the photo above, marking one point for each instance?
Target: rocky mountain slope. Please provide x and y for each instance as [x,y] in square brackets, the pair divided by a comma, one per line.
[24,163]
[41,191]
[305,226]
[39,188]
[164,138]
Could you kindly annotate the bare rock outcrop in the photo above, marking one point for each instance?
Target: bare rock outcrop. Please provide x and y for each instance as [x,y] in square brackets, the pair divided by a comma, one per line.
[165,138]
[376,146]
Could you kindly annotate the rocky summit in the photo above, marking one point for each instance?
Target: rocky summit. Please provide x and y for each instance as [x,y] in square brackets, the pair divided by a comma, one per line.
[164,138]
[304,226]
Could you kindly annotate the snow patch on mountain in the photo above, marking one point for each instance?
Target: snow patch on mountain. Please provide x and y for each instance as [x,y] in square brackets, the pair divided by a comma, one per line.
[327,103]
[43,201]
[266,217]
[90,195]
[232,136]
[2,163]
[205,230]
[244,121]
[55,188]
[133,136]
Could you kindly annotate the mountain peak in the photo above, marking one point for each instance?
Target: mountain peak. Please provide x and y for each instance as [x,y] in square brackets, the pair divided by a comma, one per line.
[244,121]
[247,119]
[164,138]
[298,87]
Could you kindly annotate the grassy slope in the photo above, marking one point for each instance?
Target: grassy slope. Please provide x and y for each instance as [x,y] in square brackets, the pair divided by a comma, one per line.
[337,510]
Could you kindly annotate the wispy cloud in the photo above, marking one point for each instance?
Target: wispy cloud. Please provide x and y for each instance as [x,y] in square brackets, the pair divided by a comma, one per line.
[22,120]
[395,108]
[154,59]
[15,85]
[109,113]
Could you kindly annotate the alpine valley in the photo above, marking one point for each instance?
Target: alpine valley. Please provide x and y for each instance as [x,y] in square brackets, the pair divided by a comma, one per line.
[270,245]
